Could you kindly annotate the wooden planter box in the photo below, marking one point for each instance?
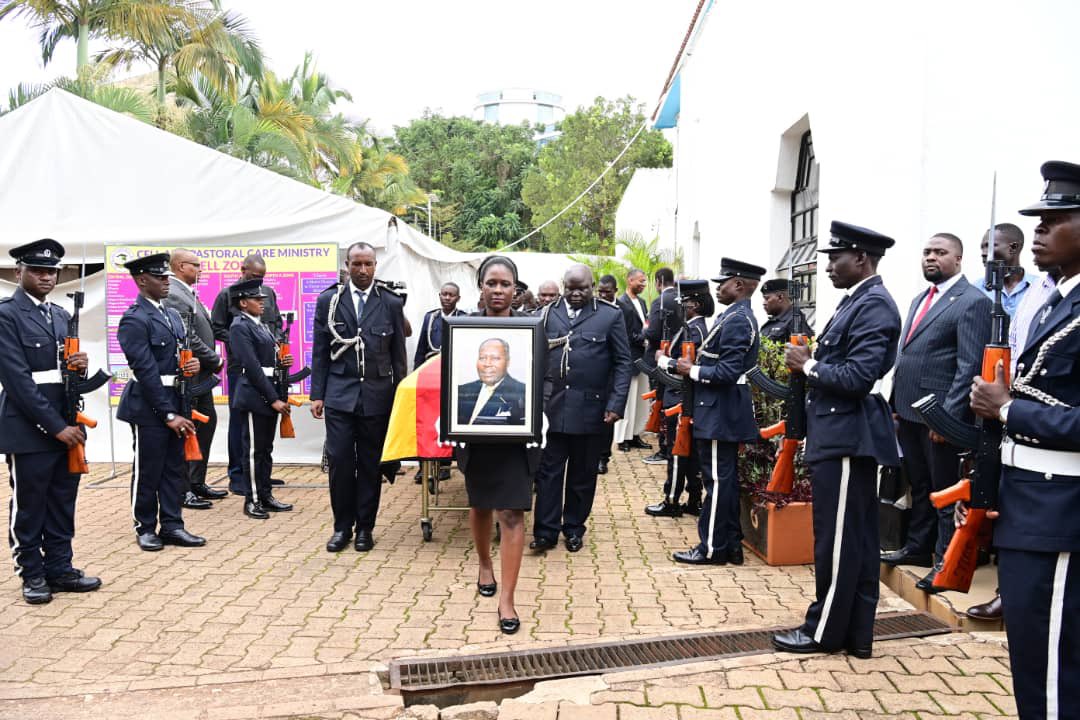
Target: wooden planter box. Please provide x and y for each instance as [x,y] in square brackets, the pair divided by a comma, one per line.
[779,536]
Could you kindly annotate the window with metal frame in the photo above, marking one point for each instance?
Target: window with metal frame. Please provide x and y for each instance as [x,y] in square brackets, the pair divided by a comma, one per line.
[800,260]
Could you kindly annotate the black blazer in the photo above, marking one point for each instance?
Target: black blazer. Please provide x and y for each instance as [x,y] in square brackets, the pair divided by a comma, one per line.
[506,406]
[635,329]
[225,310]
[254,349]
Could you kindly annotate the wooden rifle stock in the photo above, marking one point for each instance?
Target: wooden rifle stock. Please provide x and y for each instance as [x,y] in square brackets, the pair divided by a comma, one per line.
[684,432]
[286,429]
[653,424]
[782,479]
[191,440]
[71,346]
[768,433]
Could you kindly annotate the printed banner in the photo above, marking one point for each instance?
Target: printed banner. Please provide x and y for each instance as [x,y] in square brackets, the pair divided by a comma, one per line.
[297,273]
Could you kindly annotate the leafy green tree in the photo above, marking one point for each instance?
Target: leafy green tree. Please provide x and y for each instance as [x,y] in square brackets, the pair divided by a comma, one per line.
[590,140]
[476,169]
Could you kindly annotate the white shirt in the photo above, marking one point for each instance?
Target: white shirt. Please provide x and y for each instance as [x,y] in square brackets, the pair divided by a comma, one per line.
[637,308]
[943,287]
[364,294]
[1067,286]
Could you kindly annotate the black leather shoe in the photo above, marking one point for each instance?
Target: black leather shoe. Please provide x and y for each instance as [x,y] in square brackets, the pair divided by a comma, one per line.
[637,442]
[987,611]
[927,582]
[149,542]
[696,557]
[735,555]
[487,589]
[181,537]
[693,509]
[272,504]
[35,591]
[602,468]
[574,543]
[194,502]
[663,509]
[338,541]
[255,510]
[275,481]
[208,493]
[905,556]
[444,474]
[541,544]
[74,581]
[624,446]
[657,458]
[364,542]
[863,653]
[509,626]
[795,641]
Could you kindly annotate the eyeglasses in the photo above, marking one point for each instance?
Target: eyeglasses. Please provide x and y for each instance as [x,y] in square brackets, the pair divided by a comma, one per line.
[196,264]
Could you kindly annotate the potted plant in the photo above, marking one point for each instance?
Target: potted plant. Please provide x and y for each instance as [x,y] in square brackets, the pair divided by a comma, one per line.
[777,527]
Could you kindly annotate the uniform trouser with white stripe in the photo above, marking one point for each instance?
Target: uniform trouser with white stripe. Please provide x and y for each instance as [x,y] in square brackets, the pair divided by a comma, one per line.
[41,519]
[262,459]
[158,479]
[1040,593]
[846,554]
[682,472]
[718,524]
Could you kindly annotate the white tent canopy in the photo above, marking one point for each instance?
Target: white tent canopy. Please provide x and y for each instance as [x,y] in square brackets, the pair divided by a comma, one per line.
[83,174]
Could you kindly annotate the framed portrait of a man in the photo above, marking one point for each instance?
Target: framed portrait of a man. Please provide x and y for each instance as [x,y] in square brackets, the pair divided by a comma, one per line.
[492,379]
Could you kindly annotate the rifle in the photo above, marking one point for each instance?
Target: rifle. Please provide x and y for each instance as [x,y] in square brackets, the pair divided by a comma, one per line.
[653,424]
[188,390]
[282,378]
[983,443]
[793,426]
[75,386]
[683,444]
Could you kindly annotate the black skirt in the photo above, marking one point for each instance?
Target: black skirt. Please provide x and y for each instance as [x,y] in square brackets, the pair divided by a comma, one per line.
[497,477]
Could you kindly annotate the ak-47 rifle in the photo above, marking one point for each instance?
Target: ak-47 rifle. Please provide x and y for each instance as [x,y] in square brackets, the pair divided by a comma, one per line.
[189,390]
[793,426]
[980,489]
[75,386]
[282,378]
[653,424]
[683,445]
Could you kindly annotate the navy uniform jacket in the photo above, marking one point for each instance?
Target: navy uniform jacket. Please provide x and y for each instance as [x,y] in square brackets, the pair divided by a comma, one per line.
[339,383]
[1038,510]
[150,346]
[662,322]
[844,416]
[723,407]
[30,414]
[253,348]
[598,378]
[225,310]
[697,330]
[635,330]
[780,328]
[430,341]
[506,406]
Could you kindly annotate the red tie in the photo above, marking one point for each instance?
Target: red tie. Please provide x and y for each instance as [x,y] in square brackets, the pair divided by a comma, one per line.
[922,313]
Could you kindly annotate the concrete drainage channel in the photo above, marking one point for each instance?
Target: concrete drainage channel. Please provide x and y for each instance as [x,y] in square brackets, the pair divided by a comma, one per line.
[457,680]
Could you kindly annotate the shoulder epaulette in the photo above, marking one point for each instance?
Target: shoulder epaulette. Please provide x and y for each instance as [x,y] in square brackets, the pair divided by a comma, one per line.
[331,288]
[6,299]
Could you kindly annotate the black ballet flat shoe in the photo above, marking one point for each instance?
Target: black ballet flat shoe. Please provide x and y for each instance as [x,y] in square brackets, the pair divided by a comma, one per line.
[509,626]
[487,589]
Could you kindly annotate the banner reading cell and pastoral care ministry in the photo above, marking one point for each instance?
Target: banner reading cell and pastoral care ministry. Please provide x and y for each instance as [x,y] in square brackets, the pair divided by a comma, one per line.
[297,273]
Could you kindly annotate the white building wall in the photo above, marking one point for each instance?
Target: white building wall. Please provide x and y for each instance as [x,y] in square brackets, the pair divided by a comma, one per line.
[647,206]
[912,107]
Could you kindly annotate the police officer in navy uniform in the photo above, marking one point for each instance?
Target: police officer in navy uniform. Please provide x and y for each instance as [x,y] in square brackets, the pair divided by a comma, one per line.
[35,435]
[661,325]
[849,434]
[256,351]
[684,472]
[1036,531]
[585,389]
[776,295]
[430,341]
[357,360]
[723,412]
[149,334]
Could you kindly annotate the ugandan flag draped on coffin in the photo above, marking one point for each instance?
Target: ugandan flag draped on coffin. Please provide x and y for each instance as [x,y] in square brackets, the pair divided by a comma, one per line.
[414,421]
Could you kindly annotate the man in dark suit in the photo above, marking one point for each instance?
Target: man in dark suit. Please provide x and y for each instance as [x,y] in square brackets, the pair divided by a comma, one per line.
[547,293]
[605,290]
[661,326]
[186,268]
[430,341]
[496,398]
[36,436]
[635,312]
[588,377]
[149,334]
[357,360]
[253,268]
[776,301]
[723,412]
[947,327]
[849,433]
[1036,532]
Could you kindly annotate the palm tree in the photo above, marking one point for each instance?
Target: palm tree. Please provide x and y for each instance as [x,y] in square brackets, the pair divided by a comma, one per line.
[89,87]
[186,37]
[61,19]
[643,254]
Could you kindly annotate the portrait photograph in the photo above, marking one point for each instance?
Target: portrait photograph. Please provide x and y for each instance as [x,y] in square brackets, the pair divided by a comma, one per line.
[492,378]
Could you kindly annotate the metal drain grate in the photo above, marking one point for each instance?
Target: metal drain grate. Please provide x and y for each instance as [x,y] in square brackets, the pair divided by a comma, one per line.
[415,674]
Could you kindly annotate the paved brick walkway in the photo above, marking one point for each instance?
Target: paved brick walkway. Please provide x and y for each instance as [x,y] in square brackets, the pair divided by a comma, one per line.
[264,607]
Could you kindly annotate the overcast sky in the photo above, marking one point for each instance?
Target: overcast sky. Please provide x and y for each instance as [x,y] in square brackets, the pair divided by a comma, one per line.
[402,56]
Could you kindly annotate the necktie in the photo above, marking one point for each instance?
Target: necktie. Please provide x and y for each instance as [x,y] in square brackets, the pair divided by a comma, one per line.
[922,312]
[359,303]
[44,308]
[168,320]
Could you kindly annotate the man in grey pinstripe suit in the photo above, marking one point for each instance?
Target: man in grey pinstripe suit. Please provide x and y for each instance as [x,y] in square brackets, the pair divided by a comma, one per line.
[941,349]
